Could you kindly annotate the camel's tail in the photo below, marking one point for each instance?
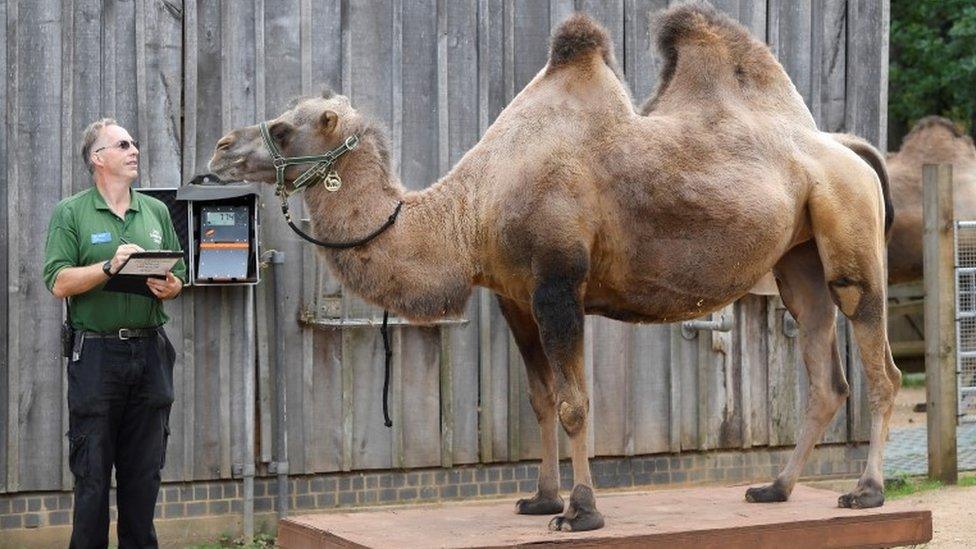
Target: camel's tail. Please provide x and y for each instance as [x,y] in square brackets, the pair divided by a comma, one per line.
[876,160]
[578,37]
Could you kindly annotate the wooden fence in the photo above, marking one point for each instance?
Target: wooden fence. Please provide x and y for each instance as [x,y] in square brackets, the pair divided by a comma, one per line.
[178,74]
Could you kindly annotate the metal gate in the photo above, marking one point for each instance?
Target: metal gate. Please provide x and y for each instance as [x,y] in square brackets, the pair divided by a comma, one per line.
[966,318]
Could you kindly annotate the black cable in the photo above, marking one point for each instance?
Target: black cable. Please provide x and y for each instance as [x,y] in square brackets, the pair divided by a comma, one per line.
[386,378]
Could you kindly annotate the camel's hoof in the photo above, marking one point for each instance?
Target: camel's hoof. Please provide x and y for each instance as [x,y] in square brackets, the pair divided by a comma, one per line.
[867,494]
[540,505]
[581,515]
[767,494]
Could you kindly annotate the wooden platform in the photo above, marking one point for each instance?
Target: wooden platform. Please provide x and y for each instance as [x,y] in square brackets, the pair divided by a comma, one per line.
[689,518]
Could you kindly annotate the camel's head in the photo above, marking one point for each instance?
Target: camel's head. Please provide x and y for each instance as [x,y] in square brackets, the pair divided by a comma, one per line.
[312,126]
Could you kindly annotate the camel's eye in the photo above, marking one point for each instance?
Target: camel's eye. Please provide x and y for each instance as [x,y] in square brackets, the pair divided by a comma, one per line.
[281,132]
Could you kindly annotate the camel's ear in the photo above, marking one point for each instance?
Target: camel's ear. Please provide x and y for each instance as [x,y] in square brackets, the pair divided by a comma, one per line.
[328,121]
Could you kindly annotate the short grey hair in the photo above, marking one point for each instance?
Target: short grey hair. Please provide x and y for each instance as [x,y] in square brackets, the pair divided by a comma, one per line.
[89,137]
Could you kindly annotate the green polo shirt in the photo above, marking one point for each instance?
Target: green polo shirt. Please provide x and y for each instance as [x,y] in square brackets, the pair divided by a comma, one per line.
[84,231]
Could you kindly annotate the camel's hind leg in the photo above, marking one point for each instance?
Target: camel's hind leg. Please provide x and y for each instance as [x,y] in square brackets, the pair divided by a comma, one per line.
[542,395]
[847,225]
[802,286]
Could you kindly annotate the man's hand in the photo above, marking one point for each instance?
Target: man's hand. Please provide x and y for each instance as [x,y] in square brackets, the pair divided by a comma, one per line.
[165,289]
[122,254]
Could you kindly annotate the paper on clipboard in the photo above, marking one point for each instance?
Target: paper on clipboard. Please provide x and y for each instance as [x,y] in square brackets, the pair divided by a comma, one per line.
[155,264]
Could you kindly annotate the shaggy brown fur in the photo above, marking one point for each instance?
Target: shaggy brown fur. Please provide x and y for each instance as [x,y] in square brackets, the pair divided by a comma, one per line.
[577,37]
[573,203]
[933,140]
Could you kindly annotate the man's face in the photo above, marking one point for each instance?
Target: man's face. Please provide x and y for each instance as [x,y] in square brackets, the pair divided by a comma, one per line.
[116,153]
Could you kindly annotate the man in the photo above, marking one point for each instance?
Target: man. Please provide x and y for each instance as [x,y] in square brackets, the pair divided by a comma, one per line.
[120,374]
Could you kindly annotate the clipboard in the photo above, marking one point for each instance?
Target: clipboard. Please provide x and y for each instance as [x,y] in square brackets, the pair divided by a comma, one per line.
[132,277]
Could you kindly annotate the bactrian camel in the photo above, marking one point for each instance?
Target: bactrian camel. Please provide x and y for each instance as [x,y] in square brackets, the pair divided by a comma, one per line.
[933,140]
[573,203]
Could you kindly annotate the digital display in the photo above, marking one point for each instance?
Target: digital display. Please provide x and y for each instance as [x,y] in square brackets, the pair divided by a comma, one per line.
[220,219]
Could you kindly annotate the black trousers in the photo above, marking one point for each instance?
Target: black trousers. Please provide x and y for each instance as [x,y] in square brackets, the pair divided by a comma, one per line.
[119,397]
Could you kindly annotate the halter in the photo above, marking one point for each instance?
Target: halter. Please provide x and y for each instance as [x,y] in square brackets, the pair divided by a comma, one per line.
[322,170]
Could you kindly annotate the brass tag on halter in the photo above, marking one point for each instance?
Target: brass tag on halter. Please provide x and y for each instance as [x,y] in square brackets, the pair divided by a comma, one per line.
[332,181]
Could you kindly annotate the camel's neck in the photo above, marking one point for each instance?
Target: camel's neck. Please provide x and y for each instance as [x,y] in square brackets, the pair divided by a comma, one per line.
[422,266]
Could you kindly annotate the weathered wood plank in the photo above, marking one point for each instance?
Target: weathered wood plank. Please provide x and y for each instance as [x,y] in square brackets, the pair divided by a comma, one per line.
[226,381]
[754,363]
[641,63]
[5,113]
[612,348]
[419,164]
[790,40]
[160,95]
[372,441]
[684,356]
[531,39]
[867,53]
[941,384]
[783,391]
[67,113]
[420,414]
[499,386]
[38,393]
[325,448]
[205,389]
[674,385]
[650,389]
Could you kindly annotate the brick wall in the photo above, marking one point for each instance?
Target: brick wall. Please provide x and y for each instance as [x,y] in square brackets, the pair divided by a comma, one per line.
[335,490]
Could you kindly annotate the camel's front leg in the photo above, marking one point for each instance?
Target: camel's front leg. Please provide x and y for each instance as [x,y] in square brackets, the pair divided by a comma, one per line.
[542,395]
[557,306]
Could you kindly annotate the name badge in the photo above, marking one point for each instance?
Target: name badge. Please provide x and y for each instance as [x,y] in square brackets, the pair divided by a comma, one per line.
[101,238]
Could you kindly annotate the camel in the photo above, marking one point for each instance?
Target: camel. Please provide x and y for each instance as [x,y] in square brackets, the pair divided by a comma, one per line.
[932,140]
[573,203]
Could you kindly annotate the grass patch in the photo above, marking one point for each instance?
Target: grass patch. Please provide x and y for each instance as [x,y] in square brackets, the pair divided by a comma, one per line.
[261,541]
[903,484]
[913,380]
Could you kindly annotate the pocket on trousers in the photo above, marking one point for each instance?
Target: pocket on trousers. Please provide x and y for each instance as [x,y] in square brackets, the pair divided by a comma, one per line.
[85,389]
[159,388]
[78,455]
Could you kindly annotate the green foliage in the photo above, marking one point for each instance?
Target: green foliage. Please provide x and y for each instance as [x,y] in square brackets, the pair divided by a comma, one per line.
[913,380]
[932,63]
[261,541]
[904,484]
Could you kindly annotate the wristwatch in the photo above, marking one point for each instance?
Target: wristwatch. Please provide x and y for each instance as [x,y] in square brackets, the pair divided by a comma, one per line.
[107,268]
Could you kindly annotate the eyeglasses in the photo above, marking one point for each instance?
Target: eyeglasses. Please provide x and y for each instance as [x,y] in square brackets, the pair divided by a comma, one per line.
[122,145]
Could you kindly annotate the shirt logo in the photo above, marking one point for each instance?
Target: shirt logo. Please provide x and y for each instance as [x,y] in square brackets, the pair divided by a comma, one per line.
[101,238]
[156,236]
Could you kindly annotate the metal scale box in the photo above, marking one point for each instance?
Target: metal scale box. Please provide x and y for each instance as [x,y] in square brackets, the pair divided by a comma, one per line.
[223,232]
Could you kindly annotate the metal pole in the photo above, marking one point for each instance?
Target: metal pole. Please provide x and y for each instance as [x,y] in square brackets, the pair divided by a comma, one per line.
[281,407]
[249,404]
[938,256]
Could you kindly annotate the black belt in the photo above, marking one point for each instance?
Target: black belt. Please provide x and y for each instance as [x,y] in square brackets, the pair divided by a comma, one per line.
[123,333]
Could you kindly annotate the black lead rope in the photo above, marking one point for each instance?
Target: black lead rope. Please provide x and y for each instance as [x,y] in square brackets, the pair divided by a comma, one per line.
[339,245]
[386,375]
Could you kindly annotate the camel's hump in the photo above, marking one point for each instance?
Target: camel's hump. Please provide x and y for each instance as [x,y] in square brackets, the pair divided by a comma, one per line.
[576,36]
[696,21]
